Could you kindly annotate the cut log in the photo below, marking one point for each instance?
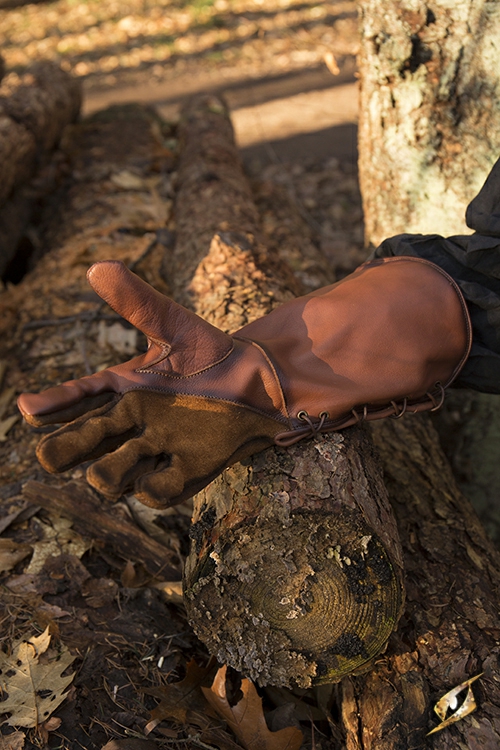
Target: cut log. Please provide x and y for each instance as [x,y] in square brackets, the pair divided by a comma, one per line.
[54,328]
[294,574]
[35,107]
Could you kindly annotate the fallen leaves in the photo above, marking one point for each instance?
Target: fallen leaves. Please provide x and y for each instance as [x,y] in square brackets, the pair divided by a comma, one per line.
[13,741]
[179,700]
[32,678]
[247,719]
[199,702]
[57,538]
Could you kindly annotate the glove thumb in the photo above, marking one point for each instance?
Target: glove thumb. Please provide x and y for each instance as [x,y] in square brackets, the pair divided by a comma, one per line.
[191,343]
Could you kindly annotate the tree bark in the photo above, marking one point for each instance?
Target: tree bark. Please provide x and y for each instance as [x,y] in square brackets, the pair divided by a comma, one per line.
[450,629]
[54,328]
[34,110]
[252,516]
[429,129]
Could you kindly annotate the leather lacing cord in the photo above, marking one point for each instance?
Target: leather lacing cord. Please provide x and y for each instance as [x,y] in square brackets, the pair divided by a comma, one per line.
[311,428]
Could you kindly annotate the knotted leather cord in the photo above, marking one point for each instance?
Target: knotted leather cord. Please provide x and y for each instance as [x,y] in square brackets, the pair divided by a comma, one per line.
[433,402]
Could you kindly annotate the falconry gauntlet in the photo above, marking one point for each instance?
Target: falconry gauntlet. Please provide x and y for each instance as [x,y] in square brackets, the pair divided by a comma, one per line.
[388,339]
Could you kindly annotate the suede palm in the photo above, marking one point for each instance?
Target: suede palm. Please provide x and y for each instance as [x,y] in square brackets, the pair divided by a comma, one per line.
[164,460]
[388,338]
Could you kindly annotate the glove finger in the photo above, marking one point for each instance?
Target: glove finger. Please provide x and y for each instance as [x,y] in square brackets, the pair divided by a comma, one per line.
[67,401]
[116,472]
[162,488]
[85,439]
[62,416]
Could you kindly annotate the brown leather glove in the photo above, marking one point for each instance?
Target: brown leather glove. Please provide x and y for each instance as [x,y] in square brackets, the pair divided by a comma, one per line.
[387,339]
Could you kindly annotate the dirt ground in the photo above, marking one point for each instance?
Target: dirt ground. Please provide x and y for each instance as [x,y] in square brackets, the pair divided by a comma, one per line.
[288,71]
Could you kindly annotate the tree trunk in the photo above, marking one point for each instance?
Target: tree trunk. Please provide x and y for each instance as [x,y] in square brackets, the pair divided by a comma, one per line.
[429,133]
[429,129]
[34,110]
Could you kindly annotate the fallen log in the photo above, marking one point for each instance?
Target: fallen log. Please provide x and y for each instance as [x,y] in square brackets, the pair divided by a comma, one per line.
[251,562]
[53,328]
[35,107]
[438,643]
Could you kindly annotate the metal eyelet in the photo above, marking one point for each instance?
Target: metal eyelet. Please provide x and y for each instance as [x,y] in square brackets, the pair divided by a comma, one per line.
[302,415]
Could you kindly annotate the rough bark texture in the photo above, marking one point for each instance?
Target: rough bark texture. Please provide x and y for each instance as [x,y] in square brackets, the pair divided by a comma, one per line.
[214,198]
[429,128]
[294,574]
[34,110]
[53,326]
[449,631]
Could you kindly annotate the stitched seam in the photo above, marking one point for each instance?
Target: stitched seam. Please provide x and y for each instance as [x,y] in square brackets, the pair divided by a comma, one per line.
[179,377]
[278,418]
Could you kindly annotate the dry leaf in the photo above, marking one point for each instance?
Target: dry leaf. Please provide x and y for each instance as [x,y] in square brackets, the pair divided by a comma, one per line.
[44,730]
[14,741]
[449,702]
[122,340]
[11,553]
[34,686]
[99,591]
[246,718]
[180,700]
[171,590]
[127,180]
[58,538]
[145,517]
[10,518]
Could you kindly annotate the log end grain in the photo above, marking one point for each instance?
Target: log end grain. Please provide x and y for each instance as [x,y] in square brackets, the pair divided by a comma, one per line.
[289,586]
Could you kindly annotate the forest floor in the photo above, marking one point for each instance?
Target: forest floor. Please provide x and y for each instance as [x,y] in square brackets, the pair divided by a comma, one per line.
[287,70]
